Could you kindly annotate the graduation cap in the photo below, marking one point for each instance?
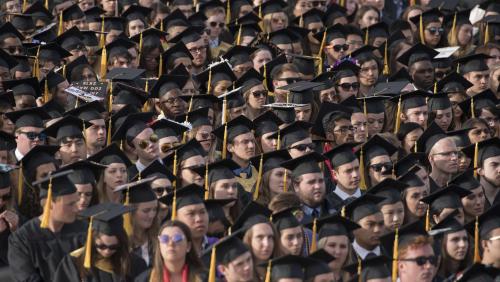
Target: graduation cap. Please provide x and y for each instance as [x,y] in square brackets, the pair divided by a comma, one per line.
[289,266]
[426,17]
[179,50]
[301,92]
[473,105]
[233,98]
[452,83]
[50,52]
[51,80]
[7,98]
[341,154]
[109,155]
[8,30]
[333,12]
[88,112]
[252,214]
[132,126]
[185,196]
[6,60]
[379,29]
[373,268]
[175,18]
[23,22]
[266,122]
[479,272]
[327,112]
[320,259]
[25,86]
[329,33]
[345,68]
[213,74]
[124,74]
[238,55]
[373,104]
[460,137]
[73,12]
[137,192]
[136,12]
[304,164]
[119,47]
[53,109]
[190,34]
[7,141]
[390,88]
[407,101]
[129,95]
[84,172]
[249,79]
[155,169]
[406,128]
[446,226]
[334,225]
[114,23]
[429,138]
[93,14]
[226,250]
[483,150]
[438,101]
[448,197]
[456,19]
[363,52]
[219,170]
[270,160]
[90,38]
[200,101]
[68,126]
[283,36]
[312,16]
[196,117]
[165,128]
[267,70]
[28,117]
[410,178]
[292,133]
[390,190]
[38,10]
[270,7]
[417,53]
[166,83]
[474,62]
[284,111]
[362,207]
[401,75]
[239,125]
[71,39]
[285,219]
[76,63]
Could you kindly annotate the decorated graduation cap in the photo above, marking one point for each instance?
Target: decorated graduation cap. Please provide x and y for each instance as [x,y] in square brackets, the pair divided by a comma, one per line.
[292,133]
[219,72]
[417,53]
[126,94]
[238,55]
[68,126]
[474,62]
[304,164]
[88,112]
[448,197]
[252,214]
[132,126]
[482,151]
[430,137]
[109,155]
[28,117]
[71,39]
[438,101]
[270,7]
[301,92]
[319,264]
[165,128]
[390,190]
[25,86]
[341,154]
[452,83]
[472,106]
[362,207]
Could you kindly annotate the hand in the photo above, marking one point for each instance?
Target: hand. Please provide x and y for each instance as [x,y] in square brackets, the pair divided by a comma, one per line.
[39,101]
[11,218]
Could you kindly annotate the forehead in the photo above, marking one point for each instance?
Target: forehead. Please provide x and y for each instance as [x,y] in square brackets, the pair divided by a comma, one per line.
[244,136]
[191,208]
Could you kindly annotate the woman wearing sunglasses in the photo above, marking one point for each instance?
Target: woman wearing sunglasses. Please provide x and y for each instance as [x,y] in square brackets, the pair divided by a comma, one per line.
[175,259]
[429,24]
[377,154]
[254,93]
[345,80]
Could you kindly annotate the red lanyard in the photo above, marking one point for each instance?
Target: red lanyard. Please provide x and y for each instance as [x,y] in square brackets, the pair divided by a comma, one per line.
[185,274]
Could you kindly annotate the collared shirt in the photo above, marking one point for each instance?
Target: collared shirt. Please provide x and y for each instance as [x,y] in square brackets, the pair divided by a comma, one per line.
[344,196]
[18,154]
[213,43]
[140,167]
[247,170]
[362,252]
[310,211]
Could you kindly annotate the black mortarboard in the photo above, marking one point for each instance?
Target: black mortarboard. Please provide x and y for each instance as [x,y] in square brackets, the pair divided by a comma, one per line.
[432,15]
[7,98]
[129,95]
[234,98]
[109,155]
[379,29]
[363,52]
[50,52]
[479,272]
[327,112]
[38,10]
[215,210]
[157,170]
[460,137]
[165,128]
[238,55]
[321,259]
[239,125]
[8,30]
[474,62]
[52,80]
[166,83]
[148,33]
[267,70]
[185,151]
[23,22]
[136,12]
[249,79]
[438,101]
[185,196]
[206,5]
[270,7]
[411,100]
[416,53]
[389,189]
[247,29]
[40,154]
[7,142]
[78,62]
[196,117]
[252,214]
[179,50]
[292,133]
[201,101]
[229,248]
[90,38]
[73,12]
[132,126]
[271,160]
[283,36]
[332,32]
[445,226]
[405,235]
[219,72]
[84,172]
[6,60]
[288,266]
[304,164]
[448,197]
[68,126]
[53,108]
[176,18]
[334,225]
[390,88]
[401,75]
[139,191]
[25,86]
[484,99]
[284,111]
[410,178]
[28,117]
[406,128]
[373,104]
[371,268]
[301,92]
[341,154]
[93,14]
[114,23]
[118,47]
[345,68]
[266,122]
[312,16]
[89,111]
[362,207]
[58,182]
[285,219]
[333,12]
[453,83]
[71,39]
[430,137]
[486,149]
[220,170]
[190,34]
[107,218]
[488,221]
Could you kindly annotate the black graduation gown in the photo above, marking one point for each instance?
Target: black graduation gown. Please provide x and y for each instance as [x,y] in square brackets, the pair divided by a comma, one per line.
[34,253]
[100,272]
[4,244]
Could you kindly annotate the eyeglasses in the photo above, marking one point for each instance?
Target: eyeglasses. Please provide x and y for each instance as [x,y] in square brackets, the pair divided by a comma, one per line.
[107,247]
[214,24]
[32,136]
[205,136]
[172,101]
[6,197]
[345,129]
[176,238]
[448,154]
[165,147]
[421,261]
[435,30]
[14,49]
[198,49]
[304,147]
[290,80]
[161,190]
[379,167]
[346,86]
[258,94]
[340,47]
[143,144]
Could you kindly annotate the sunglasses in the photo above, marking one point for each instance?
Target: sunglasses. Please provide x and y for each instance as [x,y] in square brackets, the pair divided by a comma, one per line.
[304,147]
[165,147]
[347,86]
[107,247]
[143,144]
[379,167]
[32,136]
[421,261]
[258,94]
[214,24]
[338,48]
[6,197]
[290,80]
[161,190]
[436,30]
[176,238]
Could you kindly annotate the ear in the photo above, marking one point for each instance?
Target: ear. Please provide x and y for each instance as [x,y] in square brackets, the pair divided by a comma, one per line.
[158,106]
[431,159]
[230,148]
[222,269]
[334,174]
[484,245]
[402,116]
[435,217]
[480,171]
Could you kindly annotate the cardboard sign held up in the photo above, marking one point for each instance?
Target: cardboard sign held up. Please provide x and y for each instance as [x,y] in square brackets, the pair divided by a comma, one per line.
[96,88]
[82,95]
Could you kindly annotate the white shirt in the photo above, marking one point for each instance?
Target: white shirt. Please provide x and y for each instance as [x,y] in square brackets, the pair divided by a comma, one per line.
[140,167]
[343,195]
[18,154]
[362,252]
[145,253]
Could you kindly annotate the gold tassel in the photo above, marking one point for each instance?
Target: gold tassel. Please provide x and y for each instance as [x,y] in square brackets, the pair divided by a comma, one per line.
[25,5]
[64,70]
[314,243]
[301,21]
[395,256]
[367,35]
[415,150]
[458,68]
[104,63]
[160,66]
[47,207]
[421,30]
[174,184]
[435,87]
[60,27]
[268,272]
[238,37]
[213,257]
[398,116]
[285,188]
[224,143]
[265,78]
[46,4]
[140,48]
[473,114]
[20,185]
[261,23]
[477,256]
[278,141]
[46,91]
[476,155]
[109,133]
[360,269]
[342,3]
[228,12]
[362,182]
[209,87]
[386,70]
[88,246]
[161,26]
[427,219]
[342,212]
[102,38]
[127,220]
[453,41]
[207,187]
[487,34]
[259,179]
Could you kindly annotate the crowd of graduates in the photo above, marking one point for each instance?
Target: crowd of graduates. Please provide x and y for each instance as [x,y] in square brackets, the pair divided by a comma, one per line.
[250,140]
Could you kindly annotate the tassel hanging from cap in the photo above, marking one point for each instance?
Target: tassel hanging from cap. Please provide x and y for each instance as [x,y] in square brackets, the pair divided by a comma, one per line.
[342,3]
[395,256]
[209,82]
[268,272]
[476,157]
[314,241]
[435,87]
[261,23]
[213,258]
[285,177]
[47,207]
[127,220]
[108,134]
[472,113]
[477,256]
[342,212]
[87,262]
[487,34]
[386,70]
[238,37]
[398,116]
[259,178]
[265,78]
[278,140]
[160,66]
[228,12]
[301,21]
[174,185]
[421,30]
[60,27]
[224,143]
[64,70]
[46,93]
[140,48]
[102,37]
[362,182]
[415,149]
[20,187]
[207,187]
[367,35]
[453,41]
[104,63]
[360,269]
[428,219]
[46,4]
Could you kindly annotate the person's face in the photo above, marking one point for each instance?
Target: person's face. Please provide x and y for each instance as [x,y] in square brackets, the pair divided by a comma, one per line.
[176,246]
[13,46]
[198,50]
[491,120]
[444,156]
[432,34]
[44,170]
[24,101]
[354,41]
[72,150]
[222,87]
[243,146]
[286,48]
[161,187]
[491,247]
[394,215]
[337,49]
[278,21]
[88,75]
[368,74]
[226,189]
[262,241]
[268,144]
[84,195]
[347,175]
[311,190]
[152,60]
[65,208]
[413,199]
[190,88]
[495,60]
[491,170]
[75,53]
[371,17]
[239,269]
[96,133]
[5,197]
[375,123]
[303,113]
[145,214]
[276,180]
[188,175]
[422,73]
[4,75]
[411,138]
[479,133]
[347,87]
[186,61]
[301,147]
[281,95]
[379,4]
[13,6]
[464,35]
[115,175]
[457,244]
[301,7]
[106,245]
[338,247]
[60,95]
[135,27]
[109,6]
[479,79]
[166,144]
[409,270]
[86,4]
[314,28]
[456,99]
[380,168]
[443,118]
[4,155]
[327,95]
[146,145]
[171,104]
[24,144]
[257,97]
[474,203]
[215,24]
[291,240]
[358,121]
[343,132]
[261,57]
[196,217]
[417,115]
[204,136]
[372,228]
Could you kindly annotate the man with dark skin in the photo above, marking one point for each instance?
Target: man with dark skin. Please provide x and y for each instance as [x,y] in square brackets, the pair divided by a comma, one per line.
[418,59]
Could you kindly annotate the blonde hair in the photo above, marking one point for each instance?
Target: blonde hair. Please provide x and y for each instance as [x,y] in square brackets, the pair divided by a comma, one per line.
[268,18]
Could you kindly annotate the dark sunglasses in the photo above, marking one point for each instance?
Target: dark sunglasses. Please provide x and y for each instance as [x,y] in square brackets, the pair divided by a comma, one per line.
[258,94]
[304,147]
[165,147]
[176,238]
[214,24]
[436,30]
[34,135]
[347,86]
[343,47]
[421,261]
[161,190]
[379,167]
[290,80]
[143,144]
[6,197]
[107,247]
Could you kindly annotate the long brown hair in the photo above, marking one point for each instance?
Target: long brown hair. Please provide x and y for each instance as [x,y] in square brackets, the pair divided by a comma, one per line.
[235,210]
[444,267]
[192,259]
[150,233]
